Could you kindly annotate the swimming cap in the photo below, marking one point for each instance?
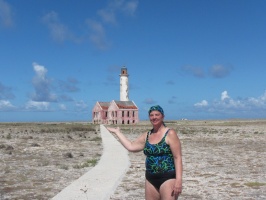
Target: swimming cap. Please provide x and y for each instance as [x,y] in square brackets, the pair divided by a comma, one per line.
[158,108]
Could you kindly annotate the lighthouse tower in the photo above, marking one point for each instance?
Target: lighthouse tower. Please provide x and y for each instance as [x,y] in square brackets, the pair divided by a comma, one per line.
[124,85]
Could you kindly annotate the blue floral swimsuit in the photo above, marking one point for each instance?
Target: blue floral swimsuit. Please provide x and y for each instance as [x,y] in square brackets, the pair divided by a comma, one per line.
[159,161]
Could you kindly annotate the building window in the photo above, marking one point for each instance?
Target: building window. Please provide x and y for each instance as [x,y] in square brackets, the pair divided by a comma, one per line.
[127,113]
[122,113]
[106,114]
[133,113]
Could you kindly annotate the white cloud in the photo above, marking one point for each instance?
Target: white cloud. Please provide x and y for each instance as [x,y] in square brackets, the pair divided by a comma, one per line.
[70,85]
[203,103]
[109,13]
[195,71]
[50,90]
[97,34]
[107,16]
[220,71]
[58,30]
[40,70]
[130,7]
[6,105]
[258,102]
[81,105]
[40,106]
[42,85]
[216,71]
[224,95]
[226,104]
[6,14]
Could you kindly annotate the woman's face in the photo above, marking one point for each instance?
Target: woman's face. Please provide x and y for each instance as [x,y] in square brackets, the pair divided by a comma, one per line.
[156,117]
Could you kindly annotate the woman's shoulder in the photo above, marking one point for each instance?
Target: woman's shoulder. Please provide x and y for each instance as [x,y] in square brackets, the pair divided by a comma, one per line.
[171,130]
[172,137]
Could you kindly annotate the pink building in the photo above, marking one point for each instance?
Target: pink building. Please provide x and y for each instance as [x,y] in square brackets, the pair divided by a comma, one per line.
[100,113]
[117,112]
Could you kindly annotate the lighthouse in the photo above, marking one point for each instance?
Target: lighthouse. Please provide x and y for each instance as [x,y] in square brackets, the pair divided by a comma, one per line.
[123,111]
[124,85]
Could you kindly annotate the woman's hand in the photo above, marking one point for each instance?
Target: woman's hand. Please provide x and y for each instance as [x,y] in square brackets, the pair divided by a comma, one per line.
[113,130]
[177,189]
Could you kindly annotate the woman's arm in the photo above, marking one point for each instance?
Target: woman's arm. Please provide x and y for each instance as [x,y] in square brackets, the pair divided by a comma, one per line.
[133,146]
[175,145]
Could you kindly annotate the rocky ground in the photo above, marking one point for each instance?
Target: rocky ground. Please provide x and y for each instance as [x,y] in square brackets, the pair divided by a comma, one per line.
[38,160]
[221,159]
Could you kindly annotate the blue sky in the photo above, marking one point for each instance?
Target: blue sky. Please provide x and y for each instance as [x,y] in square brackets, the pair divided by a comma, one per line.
[198,59]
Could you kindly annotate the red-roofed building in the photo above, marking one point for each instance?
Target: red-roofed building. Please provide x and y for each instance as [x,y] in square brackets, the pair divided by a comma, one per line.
[100,111]
[123,112]
[117,112]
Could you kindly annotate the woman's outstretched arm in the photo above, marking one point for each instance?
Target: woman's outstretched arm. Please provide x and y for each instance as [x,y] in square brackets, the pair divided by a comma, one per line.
[133,146]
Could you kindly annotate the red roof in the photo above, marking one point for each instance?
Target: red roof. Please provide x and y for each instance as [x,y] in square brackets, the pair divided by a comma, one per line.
[104,105]
[126,105]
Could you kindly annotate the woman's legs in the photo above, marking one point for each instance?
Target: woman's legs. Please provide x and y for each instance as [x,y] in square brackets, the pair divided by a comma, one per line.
[151,193]
[166,190]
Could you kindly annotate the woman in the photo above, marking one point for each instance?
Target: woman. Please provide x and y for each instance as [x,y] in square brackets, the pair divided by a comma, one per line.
[162,148]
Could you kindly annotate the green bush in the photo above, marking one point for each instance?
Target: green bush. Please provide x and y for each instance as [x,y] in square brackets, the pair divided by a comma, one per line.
[88,163]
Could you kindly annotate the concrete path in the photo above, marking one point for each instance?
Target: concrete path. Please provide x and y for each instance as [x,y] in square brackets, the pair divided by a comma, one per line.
[101,181]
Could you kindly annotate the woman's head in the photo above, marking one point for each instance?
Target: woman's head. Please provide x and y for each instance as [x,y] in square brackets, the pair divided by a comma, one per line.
[157,108]
[156,115]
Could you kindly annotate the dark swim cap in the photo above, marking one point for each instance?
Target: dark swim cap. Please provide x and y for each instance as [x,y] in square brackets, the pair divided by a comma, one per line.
[158,108]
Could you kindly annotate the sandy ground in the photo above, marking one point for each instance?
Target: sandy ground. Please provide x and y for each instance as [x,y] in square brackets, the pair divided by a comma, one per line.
[221,159]
[38,160]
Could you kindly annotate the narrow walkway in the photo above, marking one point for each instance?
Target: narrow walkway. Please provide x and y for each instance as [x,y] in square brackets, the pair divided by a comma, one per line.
[101,181]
